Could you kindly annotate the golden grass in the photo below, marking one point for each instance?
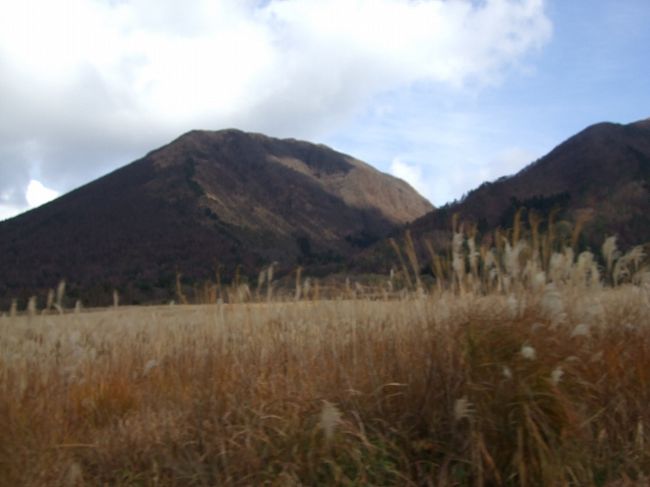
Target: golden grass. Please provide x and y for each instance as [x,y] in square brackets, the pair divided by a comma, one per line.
[519,365]
[538,386]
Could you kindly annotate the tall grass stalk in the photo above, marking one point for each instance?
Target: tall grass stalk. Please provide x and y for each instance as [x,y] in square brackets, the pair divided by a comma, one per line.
[509,370]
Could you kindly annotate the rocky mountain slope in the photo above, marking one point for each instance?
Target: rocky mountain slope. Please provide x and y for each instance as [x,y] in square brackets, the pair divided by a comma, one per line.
[225,199]
[602,174]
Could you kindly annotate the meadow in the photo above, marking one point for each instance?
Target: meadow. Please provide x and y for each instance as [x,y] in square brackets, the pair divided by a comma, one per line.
[520,364]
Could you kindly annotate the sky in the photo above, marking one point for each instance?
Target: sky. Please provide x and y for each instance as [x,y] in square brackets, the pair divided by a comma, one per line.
[444,94]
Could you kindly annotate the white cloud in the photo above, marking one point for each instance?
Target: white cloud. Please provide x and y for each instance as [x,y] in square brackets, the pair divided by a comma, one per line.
[7,211]
[442,174]
[7,207]
[94,83]
[442,183]
[411,173]
[451,146]
[38,195]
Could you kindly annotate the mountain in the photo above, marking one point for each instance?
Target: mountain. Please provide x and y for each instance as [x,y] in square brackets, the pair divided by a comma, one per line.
[236,199]
[602,174]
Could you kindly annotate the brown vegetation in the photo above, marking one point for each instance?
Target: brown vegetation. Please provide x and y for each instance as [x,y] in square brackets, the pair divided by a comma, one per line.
[600,176]
[230,198]
[511,369]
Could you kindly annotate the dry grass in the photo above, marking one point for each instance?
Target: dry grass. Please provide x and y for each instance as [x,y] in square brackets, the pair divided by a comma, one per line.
[508,373]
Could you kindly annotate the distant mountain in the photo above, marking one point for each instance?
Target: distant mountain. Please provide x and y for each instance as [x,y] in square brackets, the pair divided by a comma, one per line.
[225,198]
[602,173]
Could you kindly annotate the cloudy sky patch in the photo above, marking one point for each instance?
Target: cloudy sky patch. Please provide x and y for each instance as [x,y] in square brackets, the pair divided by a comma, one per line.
[432,90]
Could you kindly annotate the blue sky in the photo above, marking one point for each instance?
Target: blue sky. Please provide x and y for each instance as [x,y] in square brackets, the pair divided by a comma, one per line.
[595,67]
[443,93]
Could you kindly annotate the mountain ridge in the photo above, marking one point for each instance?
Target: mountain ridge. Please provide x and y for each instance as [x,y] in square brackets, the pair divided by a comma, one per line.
[207,198]
[230,200]
[603,170]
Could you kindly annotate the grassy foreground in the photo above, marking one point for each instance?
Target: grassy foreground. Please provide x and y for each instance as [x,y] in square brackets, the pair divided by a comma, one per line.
[548,384]
[521,364]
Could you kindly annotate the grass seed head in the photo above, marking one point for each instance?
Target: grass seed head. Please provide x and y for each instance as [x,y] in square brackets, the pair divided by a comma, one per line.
[330,418]
[528,352]
[463,409]
[580,330]
[556,375]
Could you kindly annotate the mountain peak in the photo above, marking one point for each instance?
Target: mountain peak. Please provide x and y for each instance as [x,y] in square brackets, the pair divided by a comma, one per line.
[228,196]
[197,135]
[605,169]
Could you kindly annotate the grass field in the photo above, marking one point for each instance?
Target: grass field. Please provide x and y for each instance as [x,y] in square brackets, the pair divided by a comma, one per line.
[541,379]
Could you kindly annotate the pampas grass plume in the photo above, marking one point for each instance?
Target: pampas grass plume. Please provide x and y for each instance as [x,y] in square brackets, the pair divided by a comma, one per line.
[330,418]
[528,352]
